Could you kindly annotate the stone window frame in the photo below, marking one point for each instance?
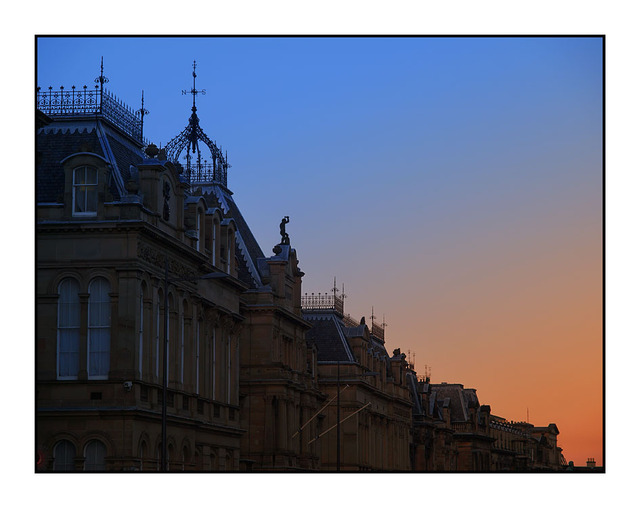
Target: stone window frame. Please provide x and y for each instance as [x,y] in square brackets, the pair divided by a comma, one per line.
[91,209]
[69,464]
[84,160]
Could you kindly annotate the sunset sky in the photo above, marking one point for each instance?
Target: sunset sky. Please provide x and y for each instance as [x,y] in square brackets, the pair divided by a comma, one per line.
[455,185]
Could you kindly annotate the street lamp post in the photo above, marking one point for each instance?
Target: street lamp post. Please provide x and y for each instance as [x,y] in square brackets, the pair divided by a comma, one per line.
[163,458]
[338,423]
[165,380]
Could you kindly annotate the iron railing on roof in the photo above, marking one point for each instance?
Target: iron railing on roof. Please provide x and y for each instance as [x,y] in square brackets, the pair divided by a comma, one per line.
[86,101]
[377,330]
[349,321]
[322,302]
[206,172]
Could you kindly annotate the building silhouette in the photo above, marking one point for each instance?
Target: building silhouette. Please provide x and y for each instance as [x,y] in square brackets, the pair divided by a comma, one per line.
[167,340]
[369,398]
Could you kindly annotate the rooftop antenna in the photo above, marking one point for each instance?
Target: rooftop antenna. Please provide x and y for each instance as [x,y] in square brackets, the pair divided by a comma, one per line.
[372,316]
[527,415]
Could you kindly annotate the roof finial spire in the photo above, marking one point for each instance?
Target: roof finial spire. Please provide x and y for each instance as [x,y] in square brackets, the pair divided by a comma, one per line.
[102,79]
[142,111]
[193,90]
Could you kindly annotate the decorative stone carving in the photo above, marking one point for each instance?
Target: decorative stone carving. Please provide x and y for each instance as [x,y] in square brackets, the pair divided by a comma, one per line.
[157,258]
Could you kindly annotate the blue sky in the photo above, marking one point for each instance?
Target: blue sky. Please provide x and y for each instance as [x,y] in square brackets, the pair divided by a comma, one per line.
[454,184]
[341,130]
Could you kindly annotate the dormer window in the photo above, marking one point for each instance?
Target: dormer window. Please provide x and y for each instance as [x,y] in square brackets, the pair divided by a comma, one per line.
[85,191]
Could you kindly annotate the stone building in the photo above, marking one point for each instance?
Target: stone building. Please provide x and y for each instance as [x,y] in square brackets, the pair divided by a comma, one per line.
[278,383]
[167,340]
[511,450]
[453,432]
[366,422]
[121,254]
[461,411]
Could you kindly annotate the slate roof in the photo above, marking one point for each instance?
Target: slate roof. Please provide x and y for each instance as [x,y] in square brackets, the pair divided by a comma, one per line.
[248,251]
[460,399]
[125,155]
[328,335]
[355,331]
[52,148]
[412,383]
[60,139]
[378,346]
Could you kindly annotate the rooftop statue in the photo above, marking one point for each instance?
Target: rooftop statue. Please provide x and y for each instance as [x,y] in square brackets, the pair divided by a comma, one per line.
[283,233]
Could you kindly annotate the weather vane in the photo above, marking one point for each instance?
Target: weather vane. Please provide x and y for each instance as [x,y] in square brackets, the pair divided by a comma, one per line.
[193,90]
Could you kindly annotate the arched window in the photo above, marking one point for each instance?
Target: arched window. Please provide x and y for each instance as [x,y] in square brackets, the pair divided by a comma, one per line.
[183,309]
[142,454]
[64,454]
[94,454]
[185,457]
[213,365]
[228,369]
[169,456]
[141,330]
[68,330]
[99,339]
[85,191]
[198,228]
[230,240]
[157,336]
[197,357]
[214,237]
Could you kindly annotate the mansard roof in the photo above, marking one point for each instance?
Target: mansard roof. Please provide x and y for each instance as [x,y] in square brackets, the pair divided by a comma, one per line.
[96,122]
[458,398]
[328,335]
[248,251]
[60,139]
[412,383]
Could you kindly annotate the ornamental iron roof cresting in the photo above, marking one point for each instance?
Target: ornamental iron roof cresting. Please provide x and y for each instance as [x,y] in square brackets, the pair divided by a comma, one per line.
[198,170]
[95,103]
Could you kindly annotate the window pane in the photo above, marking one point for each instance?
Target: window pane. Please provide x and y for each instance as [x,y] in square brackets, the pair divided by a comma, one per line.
[79,176]
[99,352]
[68,328]
[64,455]
[68,356]
[92,176]
[99,328]
[85,190]
[91,198]
[94,455]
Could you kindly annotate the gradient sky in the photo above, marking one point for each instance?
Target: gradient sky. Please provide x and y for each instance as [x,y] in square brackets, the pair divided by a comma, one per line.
[453,184]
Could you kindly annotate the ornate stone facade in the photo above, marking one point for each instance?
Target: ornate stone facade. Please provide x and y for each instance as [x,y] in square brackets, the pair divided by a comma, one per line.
[366,423]
[136,256]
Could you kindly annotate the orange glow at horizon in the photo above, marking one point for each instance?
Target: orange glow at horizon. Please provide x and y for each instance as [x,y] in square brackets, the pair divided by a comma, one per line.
[515,313]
